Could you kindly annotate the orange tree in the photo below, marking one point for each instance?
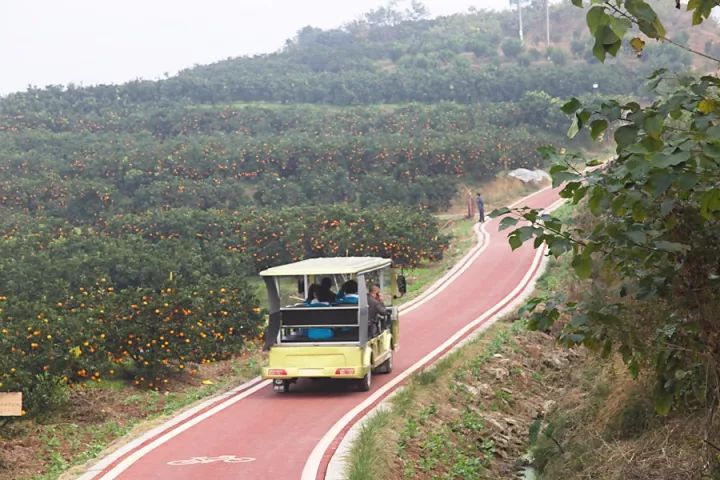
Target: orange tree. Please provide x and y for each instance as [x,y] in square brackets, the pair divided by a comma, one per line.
[98,332]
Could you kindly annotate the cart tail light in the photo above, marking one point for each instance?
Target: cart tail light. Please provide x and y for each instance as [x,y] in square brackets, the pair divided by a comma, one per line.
[345,371]
[277,371]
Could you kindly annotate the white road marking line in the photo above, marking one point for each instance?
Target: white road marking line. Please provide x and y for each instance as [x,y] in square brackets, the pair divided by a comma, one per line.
[203,460]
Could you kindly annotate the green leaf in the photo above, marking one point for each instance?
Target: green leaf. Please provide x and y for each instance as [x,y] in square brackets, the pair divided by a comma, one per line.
[626,135]
[660,182]
[653,125]
[499,211]
[559,246]
[660,160]
[614,48]
[701,9]
[686,181]
[647,19]
[530,215]
[597,127]
[652,144]
[710,203]
[663,403]
[571,106]
[667,207]
[657,73]
[514,241]
[632,106]
[637,236]
[639,212]
[574,128]
[582,264]
[531,305]
[599,50]
[596,201]
[596,18]
[569,189]
[633,368]
[580,194]
[713,133]
[561,177]
[711,79]
[620,26]
[507,222]
[607,36]
[673,247]
[525,233]
[583,116]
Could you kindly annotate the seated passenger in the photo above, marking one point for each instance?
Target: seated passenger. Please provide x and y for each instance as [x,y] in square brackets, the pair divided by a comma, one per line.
[350,295]
[313,299]
[320,333]
[324,293]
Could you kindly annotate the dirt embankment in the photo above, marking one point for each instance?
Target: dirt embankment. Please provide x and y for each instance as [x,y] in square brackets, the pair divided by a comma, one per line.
[514,404]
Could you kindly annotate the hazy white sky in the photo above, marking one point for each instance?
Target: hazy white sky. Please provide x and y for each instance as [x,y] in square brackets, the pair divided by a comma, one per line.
[86,42]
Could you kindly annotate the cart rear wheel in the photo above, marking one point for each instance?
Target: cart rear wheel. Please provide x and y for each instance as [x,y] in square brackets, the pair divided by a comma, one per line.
[366,381]
[386,366]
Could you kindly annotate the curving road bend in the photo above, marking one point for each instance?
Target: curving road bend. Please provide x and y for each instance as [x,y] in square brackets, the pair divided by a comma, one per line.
[254,433]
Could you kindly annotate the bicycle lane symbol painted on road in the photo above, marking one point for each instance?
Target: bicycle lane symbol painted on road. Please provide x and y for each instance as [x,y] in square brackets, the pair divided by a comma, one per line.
[221,458]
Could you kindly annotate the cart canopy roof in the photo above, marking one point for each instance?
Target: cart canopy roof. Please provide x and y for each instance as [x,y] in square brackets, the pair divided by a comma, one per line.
[328,266]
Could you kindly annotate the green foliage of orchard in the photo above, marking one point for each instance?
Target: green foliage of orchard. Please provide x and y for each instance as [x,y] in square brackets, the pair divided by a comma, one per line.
[98,331]
[213,157]
[47,260]
[652,248]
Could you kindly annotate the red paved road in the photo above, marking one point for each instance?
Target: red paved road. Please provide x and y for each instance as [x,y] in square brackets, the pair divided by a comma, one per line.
[281,430]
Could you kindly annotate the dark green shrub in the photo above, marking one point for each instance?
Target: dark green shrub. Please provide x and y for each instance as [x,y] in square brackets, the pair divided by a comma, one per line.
[511,47]
[45,394]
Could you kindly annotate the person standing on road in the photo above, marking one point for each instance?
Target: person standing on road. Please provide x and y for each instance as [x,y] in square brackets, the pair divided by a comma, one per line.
[480,206]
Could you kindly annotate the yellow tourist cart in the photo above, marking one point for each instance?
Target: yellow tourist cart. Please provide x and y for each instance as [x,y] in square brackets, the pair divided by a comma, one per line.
[308,338]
